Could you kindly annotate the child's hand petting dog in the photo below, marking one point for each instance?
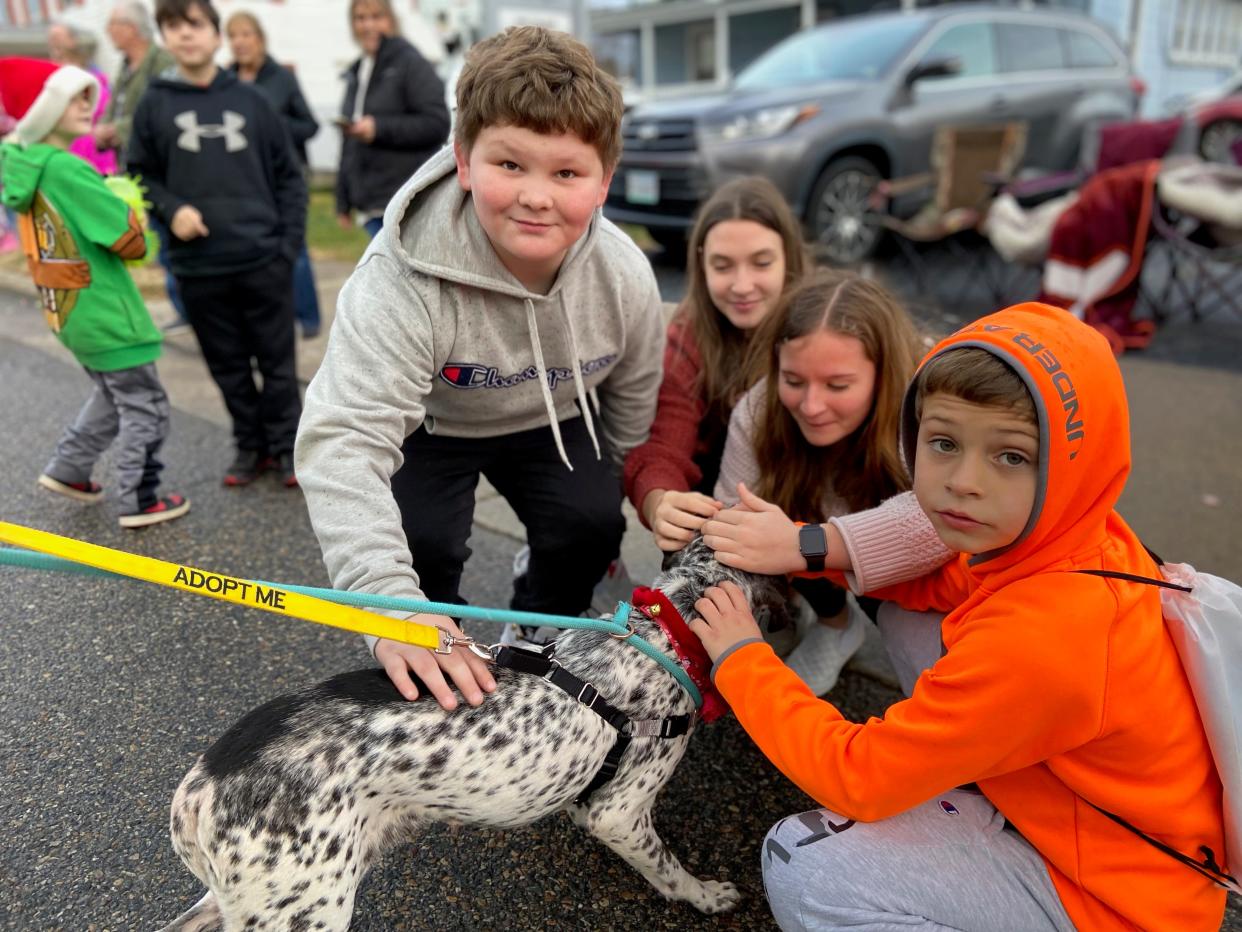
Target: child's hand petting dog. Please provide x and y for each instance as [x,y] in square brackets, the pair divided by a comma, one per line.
[724,619]
[468,672]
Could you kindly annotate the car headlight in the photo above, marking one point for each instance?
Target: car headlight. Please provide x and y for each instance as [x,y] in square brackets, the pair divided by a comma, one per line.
[759,124]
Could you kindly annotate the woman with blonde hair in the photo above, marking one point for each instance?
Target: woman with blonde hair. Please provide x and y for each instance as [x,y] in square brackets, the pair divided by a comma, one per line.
[394,116]
[745,249]
[817,434]
[252,64]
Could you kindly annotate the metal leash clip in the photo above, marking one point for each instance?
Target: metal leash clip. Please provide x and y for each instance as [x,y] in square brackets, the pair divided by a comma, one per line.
[449,640]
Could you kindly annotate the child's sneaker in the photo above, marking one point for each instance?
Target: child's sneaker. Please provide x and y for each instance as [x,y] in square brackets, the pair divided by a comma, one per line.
[88,492]
[166,509]
[247,465]
[824,651]
[284,463]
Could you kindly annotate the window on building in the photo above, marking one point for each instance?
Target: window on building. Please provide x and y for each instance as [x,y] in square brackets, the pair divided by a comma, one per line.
[752,34]
[1206,32]
[620,54]
[1025,47]
[685,52]
[971,44]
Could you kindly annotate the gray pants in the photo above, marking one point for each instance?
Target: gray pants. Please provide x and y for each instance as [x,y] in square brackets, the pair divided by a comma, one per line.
[950,863]
[130,407]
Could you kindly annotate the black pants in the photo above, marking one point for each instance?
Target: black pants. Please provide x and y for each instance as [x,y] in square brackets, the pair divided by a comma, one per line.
[828,599]
[573,519]
[242,317]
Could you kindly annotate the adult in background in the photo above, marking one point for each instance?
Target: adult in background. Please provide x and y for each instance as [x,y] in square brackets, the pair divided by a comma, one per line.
[69,45]
[252,64]
[131,31]
[393,117]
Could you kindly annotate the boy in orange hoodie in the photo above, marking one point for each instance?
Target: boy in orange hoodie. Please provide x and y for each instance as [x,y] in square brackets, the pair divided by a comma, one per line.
[1052,690]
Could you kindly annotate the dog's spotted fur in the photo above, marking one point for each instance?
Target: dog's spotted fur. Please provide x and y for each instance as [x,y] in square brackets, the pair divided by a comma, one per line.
[285,813]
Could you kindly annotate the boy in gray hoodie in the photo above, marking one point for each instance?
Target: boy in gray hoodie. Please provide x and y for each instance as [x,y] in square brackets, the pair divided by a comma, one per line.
[495,317]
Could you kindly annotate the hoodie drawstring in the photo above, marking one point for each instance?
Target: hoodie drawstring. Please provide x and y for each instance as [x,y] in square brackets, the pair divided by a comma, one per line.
[542,371]
[579,384]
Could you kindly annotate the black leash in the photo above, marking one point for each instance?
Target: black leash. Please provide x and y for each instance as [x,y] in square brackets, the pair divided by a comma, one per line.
[541,664]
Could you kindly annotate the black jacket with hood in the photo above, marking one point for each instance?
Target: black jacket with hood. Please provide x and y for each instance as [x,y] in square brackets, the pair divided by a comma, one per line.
[223,150]
[280,86]
[406,98]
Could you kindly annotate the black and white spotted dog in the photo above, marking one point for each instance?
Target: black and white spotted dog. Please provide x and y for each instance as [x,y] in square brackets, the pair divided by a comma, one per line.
[285,813]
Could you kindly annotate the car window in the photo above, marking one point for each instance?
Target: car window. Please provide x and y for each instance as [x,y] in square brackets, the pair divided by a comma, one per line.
[971,44]
[1026,47]
[841,52]
[1087,51]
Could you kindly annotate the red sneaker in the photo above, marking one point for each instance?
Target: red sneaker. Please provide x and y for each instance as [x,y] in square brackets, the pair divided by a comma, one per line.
[166,509]
[89,492]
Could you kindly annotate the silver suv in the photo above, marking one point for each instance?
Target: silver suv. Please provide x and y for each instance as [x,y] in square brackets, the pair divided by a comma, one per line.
[829,111]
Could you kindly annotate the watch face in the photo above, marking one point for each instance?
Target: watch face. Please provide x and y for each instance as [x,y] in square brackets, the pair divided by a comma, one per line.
[812,541]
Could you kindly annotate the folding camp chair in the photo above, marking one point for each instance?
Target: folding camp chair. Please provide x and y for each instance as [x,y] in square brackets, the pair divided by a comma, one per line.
[1196,243]
[968,164]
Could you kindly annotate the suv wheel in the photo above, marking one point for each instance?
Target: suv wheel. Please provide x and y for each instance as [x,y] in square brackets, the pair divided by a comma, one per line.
[839,216]
[1217,139]
[673,242]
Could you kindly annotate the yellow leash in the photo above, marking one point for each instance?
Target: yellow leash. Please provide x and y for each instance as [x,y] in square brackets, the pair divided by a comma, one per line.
[226,588]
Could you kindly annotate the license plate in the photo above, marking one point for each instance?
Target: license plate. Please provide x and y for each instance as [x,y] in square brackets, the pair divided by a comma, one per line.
[642,187]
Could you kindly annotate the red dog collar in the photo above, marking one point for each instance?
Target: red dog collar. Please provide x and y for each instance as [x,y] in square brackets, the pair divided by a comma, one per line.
[689,649]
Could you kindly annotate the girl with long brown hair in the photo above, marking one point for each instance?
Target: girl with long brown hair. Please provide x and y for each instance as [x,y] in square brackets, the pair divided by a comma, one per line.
[745,249]
[817,434]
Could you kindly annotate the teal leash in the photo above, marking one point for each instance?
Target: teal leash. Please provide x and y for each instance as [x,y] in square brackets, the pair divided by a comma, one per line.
[617,625]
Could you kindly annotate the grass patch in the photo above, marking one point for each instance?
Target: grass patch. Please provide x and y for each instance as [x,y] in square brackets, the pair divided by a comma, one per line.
[325,239]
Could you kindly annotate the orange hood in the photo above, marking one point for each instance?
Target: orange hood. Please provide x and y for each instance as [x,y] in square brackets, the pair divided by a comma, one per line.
[1084,430]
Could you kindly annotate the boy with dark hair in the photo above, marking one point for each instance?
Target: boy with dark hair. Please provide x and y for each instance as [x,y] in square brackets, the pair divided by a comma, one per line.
[1057,691]
[77,235]
[495,300]
[222,175]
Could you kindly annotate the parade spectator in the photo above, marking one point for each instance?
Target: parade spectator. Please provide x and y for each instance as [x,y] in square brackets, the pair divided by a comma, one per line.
[393,117]
[70,45]
[817,434]
[130,31]
[1050,724]
[745,249]
[495,300]
[252,64]
[222,174]
[87,295]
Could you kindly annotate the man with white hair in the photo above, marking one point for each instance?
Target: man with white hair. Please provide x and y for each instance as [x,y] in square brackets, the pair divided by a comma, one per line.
[131,31]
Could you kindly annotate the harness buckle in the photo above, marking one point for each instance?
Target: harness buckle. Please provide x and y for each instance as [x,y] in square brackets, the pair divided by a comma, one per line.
[583,691]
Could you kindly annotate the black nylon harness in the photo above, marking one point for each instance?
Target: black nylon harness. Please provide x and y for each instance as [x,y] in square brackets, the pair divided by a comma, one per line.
[541,663]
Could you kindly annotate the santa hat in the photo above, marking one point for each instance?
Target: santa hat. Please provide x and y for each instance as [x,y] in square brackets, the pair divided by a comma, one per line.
[36,92]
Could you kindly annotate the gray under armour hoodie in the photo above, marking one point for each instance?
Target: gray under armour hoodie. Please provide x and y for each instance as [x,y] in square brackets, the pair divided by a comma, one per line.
[431,329]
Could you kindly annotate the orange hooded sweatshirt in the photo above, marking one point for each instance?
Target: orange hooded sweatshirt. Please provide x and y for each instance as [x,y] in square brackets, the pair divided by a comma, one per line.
[1056,688]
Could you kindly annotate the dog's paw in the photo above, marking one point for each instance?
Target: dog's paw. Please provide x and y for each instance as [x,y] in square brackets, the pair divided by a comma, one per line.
[715,896]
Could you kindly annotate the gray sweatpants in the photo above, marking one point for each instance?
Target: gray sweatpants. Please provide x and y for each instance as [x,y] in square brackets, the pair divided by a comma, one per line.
[130,407]
[950,863]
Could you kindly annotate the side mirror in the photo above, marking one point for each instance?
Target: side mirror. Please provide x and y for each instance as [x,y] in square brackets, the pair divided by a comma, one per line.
[934,68]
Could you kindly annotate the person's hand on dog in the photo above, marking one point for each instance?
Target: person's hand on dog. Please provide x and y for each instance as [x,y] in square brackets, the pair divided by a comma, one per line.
[755,536]
[468,672]
[724,619]
[675,517]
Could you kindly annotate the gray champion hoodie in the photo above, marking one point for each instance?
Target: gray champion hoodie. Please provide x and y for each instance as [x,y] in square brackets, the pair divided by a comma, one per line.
[431,329]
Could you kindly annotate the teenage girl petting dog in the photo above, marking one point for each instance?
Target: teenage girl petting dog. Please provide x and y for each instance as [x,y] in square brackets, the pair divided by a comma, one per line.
[745,253]
[817,435]
[1045,696]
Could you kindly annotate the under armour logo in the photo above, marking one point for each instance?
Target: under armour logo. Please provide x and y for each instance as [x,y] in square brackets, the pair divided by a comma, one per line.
[192,134]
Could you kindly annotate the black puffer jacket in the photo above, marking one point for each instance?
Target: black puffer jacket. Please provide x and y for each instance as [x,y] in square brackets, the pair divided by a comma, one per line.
[280,86]
[406,98]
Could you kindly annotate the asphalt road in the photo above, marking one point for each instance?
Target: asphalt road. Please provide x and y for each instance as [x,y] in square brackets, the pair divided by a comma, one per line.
[110,689]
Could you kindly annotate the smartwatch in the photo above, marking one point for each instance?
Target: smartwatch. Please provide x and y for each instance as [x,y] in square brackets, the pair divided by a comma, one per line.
[813,545]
